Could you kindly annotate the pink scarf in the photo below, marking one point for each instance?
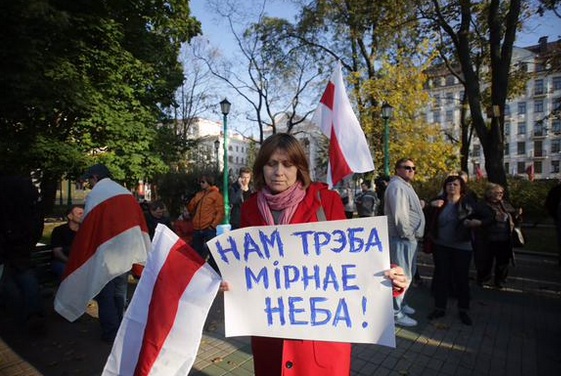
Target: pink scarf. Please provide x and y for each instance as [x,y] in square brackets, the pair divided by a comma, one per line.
[286,201]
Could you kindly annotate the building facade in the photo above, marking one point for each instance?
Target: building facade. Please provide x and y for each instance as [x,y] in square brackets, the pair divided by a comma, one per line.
[532,129]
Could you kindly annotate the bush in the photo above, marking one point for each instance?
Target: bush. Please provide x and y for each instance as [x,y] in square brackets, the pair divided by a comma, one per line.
[530,196]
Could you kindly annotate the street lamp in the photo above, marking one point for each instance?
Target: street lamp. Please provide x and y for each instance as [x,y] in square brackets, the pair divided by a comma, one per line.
[225,108]
[387,113]
[216,146]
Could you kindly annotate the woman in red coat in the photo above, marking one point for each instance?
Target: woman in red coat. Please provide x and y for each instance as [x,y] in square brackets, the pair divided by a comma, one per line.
[286,195]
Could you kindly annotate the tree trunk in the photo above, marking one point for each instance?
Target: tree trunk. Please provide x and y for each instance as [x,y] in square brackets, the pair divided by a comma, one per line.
[49,186]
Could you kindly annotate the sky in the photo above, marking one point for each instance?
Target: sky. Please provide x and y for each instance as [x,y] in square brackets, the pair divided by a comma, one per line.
[217,31]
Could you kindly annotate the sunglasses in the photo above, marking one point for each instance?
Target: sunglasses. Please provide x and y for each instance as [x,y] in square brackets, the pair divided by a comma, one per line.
[202,182]
[409,168]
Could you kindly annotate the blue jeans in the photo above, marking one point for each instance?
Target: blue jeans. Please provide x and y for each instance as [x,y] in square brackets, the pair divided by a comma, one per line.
[403,253]
[200,237]
[111,305]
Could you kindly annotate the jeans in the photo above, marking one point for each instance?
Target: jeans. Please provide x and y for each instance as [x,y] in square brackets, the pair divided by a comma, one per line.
[111,304]
[402,253]
[200,237]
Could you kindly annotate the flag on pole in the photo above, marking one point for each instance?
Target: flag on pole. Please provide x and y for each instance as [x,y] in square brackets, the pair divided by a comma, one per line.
[162,328]
[478,173]
[348,149]
[113,236]
[530,172]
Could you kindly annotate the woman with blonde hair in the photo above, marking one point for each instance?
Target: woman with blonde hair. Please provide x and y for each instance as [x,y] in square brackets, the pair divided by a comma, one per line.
[493,241]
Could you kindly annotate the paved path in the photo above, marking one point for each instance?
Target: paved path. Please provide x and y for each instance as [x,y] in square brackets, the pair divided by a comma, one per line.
[516,331]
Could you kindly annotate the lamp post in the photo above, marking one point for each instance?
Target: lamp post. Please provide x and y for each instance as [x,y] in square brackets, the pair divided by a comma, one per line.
[216,146]
[387,113]
[225,108]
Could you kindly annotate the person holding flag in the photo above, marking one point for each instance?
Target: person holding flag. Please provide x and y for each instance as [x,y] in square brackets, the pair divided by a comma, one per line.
[112,237]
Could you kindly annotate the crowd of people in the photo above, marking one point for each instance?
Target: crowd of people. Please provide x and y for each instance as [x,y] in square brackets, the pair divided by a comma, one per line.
[454,226]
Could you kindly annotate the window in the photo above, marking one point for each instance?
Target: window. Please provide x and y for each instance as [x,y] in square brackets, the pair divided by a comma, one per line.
[449,116]
[555,167]
[538,87]
[507,110]
[521,128]
[521,108]
[476,150]
[555,146]
[461,96]
[436,116]
[539,67]
[524,67]
[450,80]
[507,167]
[556,83]
[556,126]
[507,149]
[449,98]
[507,128]
[521,149]
[538,105]
[539,129]
[237,149]
[538,169]
[538,149]
[437,100]
[521,167]
[556,104]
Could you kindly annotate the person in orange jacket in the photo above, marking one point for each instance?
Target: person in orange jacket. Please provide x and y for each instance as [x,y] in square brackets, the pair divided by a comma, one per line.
[286,195]
[207,212]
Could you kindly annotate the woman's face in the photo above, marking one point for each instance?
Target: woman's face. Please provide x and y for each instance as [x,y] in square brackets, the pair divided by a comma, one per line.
[496,195]
[454,187]
[279,172]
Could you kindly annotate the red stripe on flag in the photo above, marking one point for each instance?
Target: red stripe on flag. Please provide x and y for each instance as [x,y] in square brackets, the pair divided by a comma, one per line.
[175,275]
[107,220]
[328,96]
[339,166]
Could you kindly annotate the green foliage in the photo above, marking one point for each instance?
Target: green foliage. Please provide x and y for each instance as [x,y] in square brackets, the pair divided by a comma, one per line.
[175,189]
[86,82]
[528,195]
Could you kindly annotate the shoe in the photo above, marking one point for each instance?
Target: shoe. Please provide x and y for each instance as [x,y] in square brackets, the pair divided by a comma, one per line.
[465,319]
[436,314]
[407,310]
[404,320]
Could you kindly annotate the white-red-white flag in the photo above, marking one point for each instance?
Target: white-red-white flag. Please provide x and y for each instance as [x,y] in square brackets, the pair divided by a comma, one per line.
[113,236]
[348,149]
[162,328]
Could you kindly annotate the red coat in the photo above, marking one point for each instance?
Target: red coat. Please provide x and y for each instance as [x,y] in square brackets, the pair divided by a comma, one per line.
[277,356]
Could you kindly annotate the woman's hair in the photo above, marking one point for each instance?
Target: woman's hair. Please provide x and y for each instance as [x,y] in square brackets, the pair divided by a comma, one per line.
[296,154]
[451,178]
[208,178]
[490,188]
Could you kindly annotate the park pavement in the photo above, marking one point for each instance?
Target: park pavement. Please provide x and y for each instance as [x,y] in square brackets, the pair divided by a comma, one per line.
[516,331]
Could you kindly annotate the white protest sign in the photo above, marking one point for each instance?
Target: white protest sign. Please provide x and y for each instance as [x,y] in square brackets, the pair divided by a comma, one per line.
[316,281]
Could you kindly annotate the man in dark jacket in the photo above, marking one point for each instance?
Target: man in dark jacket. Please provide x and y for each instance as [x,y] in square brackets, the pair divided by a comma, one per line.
[21,227]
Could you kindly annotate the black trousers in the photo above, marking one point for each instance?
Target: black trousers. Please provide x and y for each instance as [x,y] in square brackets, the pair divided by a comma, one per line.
[451,271]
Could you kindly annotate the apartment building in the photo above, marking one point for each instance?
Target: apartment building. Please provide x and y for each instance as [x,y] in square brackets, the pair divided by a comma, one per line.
[532,131]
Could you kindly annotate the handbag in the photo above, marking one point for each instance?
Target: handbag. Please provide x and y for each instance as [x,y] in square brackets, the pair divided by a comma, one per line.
[518,239]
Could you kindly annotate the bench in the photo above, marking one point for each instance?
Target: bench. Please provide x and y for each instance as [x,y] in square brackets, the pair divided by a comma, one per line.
[41,258]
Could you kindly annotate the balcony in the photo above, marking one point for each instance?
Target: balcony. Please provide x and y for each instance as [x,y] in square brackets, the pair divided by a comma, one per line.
[537,134]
